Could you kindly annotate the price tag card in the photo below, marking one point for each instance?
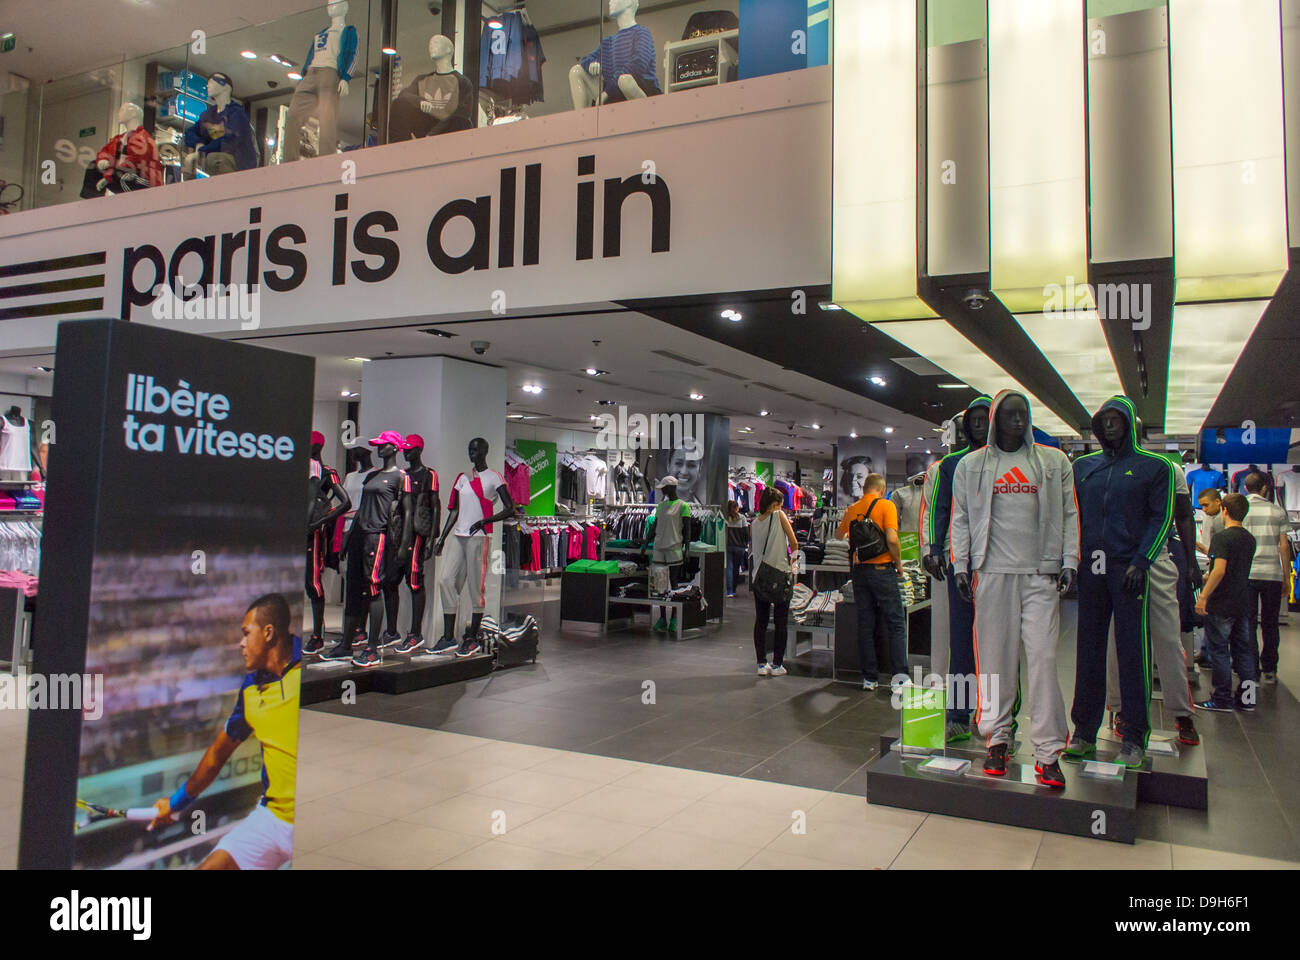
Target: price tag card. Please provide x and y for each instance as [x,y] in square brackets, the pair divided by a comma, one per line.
[1162,748]
[948,766]
[1101,770]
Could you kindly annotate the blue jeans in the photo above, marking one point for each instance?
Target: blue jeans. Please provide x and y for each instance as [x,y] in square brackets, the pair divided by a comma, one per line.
[1231,648]
[880,621]
[735,559]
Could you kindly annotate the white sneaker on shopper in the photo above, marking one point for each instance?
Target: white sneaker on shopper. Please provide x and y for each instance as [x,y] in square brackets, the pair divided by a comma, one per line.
[869,684]
[764,670]
[779,671]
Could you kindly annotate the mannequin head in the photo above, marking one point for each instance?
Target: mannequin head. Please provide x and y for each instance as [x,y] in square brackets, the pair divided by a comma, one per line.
[337,10]
[478,451]
[414,449]
[317,444]
[220,90]
[387,451]
[440,48]
[669,491]
[617,7]
[976,425]
[1012,422]
[129,116]
[1113,428]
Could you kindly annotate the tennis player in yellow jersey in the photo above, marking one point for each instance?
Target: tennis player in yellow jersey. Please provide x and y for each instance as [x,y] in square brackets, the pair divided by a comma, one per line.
[267,707]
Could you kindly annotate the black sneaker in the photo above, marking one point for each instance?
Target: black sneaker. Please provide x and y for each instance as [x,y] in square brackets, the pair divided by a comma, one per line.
[340,651]
[1213,706]
[1117,724]
[469,648]
[995,764]
[366,656]
[445,646]
[412,643]
[1049,774]
[387,640]
[314,645]
[1242,706]
[1201,661]
[1187,731]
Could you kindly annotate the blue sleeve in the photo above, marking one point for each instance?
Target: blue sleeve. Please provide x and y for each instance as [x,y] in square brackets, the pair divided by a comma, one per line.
[311,53]
[347,52]
[1160,513]
[940,510]
[593,57]
[237,727]
[238,140]
[643,55]
[484,55]
[192,134]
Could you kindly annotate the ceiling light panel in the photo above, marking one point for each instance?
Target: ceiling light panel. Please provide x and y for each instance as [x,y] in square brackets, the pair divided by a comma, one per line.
[1207,340]
[944,346]
[1075,344]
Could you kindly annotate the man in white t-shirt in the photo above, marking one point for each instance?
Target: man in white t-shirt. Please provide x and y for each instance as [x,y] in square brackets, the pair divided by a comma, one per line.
[465,538]
[1268,524]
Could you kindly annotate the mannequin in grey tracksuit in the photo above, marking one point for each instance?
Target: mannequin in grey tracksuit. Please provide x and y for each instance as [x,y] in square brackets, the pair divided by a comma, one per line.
[1015,549]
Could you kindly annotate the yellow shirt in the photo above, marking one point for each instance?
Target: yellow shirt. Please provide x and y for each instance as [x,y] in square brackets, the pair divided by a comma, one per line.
[267,707]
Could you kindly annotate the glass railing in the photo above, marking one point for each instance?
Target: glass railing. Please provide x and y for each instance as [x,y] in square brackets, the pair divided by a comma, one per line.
[348,76]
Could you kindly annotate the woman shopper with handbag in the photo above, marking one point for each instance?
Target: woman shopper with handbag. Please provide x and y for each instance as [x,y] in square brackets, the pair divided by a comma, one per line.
[773,541]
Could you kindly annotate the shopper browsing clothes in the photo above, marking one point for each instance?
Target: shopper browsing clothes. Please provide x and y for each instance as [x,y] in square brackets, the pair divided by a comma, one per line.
[874,520]
[737,543]
[772,542]
[1225,604]
[1268,524]
[1015,550]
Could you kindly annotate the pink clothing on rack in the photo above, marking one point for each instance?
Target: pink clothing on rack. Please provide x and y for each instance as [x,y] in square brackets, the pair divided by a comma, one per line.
[593,542]
[19,581]
[518,481]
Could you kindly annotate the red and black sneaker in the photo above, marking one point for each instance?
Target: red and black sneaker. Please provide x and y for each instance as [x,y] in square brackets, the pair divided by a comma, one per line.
[314,645]
[1117,724]
[995,764]
[1049,774]
[1187,734]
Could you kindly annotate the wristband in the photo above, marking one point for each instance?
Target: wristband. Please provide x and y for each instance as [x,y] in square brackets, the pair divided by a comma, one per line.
[180,799]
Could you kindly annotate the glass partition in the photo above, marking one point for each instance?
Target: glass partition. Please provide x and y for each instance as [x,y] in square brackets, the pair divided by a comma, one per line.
[14,132]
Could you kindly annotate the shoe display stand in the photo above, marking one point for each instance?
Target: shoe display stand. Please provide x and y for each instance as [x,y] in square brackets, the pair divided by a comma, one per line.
[399,673]
[916,637]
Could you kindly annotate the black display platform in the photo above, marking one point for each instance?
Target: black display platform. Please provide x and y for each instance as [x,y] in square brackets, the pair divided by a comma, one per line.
[324,681]
[1085,808]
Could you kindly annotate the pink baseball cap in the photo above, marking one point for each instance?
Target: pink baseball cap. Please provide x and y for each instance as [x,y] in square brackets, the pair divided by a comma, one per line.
[389,436]
[414,440]
[317,437]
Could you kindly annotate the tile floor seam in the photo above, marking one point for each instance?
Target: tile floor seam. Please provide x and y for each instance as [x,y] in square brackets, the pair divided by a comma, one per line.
[924,820]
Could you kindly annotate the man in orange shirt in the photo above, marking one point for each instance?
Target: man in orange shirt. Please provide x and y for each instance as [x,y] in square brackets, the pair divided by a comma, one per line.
[875,588]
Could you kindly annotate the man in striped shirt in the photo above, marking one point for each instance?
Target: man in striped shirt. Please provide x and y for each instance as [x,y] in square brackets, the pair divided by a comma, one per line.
[1268,524]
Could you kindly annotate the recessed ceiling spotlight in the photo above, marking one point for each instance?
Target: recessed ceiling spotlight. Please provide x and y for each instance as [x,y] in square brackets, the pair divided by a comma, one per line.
[889,429]
[294,75]
[733,315]
[606,403]
[248,54]
[927,451]
[853,434]
[762,413]
[877,381]
[360,359]
[532,388]
[907,446]
[495,24]
[596,372]
[344,393]
[697,396]
[388,51]
[816,426]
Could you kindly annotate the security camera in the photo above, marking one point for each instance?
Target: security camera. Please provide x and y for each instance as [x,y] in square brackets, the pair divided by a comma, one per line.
[435,7]
[480,346]
[975,299]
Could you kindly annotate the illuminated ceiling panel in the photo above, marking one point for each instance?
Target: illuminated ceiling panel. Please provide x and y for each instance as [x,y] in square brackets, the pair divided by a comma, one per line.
[1075,344]
[942,345]
[1207,340]
[1230,230]
[874,147]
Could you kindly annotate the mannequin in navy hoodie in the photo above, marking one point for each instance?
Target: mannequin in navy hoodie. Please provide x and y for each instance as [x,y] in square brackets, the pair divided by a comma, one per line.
[961,612]
[1126,510]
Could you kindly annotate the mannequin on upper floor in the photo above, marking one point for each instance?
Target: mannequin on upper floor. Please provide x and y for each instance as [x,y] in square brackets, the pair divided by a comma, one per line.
[622,67]
[325,74]
[327,501]
[129,161]
[463,546]
[223,134]
[438,102]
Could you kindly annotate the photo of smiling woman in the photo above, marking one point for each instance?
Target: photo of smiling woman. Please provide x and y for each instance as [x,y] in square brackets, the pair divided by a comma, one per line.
[853,473]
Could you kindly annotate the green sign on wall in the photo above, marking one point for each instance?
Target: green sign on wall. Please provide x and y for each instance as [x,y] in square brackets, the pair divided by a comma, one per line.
[764,471]
[541,460]
[909,546]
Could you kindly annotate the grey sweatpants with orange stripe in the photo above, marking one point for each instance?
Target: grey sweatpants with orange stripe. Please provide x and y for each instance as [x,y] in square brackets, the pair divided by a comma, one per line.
[1163,625]
[464,559]
[1012,609]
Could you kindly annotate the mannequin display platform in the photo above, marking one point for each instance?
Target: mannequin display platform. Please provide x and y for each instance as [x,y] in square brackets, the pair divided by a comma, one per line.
[438,102]
[325,73]
[621,68]
[223,135]
[464,547]
[129,161]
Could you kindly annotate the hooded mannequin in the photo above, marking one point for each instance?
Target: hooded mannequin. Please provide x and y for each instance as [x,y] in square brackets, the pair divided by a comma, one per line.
[374,560]
[223,134]
[621,68]
[130,160]
[438,102]
[470,518]
[936,517]
[326,502]
[427,508]
[1015,549]
[1126,501]
[325,73]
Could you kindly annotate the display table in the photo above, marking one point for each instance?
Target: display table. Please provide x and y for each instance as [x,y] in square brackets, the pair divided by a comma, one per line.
[916,633]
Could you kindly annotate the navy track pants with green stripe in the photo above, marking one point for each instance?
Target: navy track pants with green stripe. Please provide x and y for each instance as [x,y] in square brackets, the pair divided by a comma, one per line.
[1102,596]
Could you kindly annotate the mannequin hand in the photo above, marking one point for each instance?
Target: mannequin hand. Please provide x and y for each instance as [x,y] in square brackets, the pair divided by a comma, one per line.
[426,107]
[102,185]
[102,164]
[1065,580]
[963,586]
[1195,576]
[933,566]
[475,527]
[1134,580]
[437,548]
[343,88]
[594,69]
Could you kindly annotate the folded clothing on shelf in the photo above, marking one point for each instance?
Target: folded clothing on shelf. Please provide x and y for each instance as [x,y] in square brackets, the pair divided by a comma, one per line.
[836,552]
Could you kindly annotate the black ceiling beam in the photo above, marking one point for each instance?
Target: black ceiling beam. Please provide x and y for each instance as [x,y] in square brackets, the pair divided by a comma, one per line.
[1141,355]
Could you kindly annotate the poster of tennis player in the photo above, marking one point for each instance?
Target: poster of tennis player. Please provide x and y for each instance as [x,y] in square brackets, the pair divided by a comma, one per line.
[171,573]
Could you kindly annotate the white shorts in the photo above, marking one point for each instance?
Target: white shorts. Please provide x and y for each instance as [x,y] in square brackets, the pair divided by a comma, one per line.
[262,841]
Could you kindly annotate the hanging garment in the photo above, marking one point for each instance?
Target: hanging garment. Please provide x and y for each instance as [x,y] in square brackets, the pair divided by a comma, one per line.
[511,58]
[16,446]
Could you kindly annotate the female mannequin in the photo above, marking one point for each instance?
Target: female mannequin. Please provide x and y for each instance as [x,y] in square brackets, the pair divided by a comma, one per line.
[17,445]
[467,552]
[326,502]
[371,556]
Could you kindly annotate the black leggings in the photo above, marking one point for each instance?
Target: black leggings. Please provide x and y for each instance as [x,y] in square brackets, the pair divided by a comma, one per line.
[762,610]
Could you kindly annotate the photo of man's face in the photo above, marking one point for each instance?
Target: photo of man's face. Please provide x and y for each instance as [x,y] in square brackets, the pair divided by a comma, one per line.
[686,468]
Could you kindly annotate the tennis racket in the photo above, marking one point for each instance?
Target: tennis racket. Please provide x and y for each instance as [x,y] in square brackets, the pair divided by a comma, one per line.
[95,812]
